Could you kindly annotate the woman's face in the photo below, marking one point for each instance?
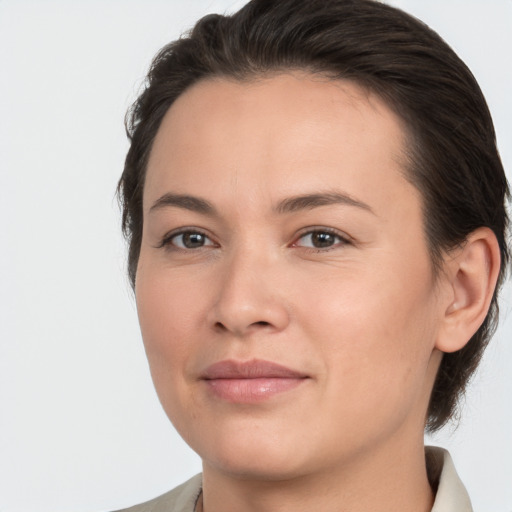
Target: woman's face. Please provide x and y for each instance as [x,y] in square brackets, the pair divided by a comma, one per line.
[284,288]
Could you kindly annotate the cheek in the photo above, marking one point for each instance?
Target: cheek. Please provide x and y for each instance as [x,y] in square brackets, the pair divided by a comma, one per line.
[167,318]
[376,333]
[166,304]
[367,310]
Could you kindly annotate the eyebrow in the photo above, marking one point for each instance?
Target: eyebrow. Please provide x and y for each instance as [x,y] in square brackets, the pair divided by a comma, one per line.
[288,205]
[310,201]
[186,202]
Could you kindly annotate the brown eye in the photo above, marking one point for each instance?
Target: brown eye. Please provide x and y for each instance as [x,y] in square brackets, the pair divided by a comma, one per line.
[320,239]
[190,240]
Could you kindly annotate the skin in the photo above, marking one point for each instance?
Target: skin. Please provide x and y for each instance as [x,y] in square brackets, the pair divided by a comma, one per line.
[363,318]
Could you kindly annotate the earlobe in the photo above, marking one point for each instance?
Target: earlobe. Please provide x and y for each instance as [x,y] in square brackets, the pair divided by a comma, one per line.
[472,272]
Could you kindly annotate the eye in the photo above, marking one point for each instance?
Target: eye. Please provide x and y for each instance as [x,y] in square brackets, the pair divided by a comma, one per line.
[321,239]
[187,240]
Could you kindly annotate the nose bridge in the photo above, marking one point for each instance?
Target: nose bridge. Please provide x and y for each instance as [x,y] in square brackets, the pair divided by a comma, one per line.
[249,296]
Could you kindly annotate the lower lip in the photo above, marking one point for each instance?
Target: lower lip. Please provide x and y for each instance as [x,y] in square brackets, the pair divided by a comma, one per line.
[251,390]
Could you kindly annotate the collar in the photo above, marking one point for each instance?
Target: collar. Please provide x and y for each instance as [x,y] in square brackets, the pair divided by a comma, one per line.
[451,495]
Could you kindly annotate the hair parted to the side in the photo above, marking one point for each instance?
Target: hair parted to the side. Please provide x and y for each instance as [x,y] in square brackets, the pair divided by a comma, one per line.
[453,160]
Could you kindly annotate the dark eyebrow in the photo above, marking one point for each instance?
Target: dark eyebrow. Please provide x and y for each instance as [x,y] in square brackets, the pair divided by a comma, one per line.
[309,201]
[186,202]
[288,205]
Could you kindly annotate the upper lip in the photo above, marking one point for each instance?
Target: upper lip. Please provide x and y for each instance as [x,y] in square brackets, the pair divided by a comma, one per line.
[254,369]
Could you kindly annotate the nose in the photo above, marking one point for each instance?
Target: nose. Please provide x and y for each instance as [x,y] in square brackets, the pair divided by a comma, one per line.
[249,297]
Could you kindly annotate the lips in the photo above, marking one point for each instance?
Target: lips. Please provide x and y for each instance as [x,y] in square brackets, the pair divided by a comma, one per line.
[251,381]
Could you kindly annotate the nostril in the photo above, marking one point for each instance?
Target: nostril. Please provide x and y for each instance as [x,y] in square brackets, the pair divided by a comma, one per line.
[220,326]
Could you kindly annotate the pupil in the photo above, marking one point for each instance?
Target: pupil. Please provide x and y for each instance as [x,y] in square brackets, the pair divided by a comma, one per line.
[322,239]
[193,240]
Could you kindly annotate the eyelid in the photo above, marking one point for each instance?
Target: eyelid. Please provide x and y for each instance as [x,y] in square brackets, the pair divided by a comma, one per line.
[345,239]
[166,241]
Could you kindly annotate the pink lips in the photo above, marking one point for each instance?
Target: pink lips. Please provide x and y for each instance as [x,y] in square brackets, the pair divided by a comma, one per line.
[251,381]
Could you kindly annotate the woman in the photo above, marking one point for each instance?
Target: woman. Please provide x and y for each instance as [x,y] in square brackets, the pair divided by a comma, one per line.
[315,208]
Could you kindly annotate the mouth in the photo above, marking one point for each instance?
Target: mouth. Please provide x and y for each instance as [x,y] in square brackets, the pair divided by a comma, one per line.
[250,381]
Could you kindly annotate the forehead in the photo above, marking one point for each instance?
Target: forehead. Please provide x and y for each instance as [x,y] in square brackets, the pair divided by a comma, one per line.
[284,133]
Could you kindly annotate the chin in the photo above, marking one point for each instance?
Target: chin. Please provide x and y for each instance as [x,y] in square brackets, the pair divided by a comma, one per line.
[252,453]
[264,467]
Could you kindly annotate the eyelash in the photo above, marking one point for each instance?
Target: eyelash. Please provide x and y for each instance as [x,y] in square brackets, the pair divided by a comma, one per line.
[168,238]
[167,241]
[342,239]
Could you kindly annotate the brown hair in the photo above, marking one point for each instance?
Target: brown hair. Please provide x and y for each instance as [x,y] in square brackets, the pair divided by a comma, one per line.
[453,160]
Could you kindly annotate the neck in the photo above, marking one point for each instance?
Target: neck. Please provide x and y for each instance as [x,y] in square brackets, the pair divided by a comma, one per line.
[386,480]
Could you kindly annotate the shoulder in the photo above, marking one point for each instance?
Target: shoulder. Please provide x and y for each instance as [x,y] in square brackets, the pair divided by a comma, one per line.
[180,499]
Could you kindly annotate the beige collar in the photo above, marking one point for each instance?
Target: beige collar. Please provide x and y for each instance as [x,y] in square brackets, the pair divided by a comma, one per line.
[451,495]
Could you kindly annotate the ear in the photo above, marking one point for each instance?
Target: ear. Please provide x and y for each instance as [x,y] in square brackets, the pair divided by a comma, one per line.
[471,272]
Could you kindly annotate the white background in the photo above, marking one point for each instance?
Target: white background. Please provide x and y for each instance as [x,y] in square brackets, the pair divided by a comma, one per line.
[81,429]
